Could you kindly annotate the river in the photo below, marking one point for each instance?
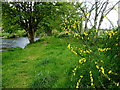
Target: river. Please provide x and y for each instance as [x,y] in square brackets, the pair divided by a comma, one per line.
[14,42]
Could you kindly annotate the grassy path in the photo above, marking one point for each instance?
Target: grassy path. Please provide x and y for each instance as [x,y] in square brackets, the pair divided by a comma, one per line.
[44,64]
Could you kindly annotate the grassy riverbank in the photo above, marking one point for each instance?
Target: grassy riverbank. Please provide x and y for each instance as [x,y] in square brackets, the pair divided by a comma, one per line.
[46,63]
[60,63]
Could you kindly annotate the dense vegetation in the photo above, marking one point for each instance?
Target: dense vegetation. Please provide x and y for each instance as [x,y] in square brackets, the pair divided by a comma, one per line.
[71,55]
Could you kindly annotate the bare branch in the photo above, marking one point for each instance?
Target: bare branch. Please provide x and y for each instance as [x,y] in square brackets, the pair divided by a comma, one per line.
[111,8]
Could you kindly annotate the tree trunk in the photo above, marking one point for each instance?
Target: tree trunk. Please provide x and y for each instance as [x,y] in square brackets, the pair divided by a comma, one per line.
[31,36]
[49,32]
[86,22]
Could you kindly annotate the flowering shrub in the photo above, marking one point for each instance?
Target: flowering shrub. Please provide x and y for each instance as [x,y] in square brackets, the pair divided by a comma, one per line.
[94,69]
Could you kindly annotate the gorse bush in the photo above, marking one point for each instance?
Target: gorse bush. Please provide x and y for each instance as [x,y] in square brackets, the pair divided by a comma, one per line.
[96,66]
[113,42]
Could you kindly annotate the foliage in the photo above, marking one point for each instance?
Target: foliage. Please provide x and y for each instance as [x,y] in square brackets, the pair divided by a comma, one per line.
[17,33]
[113,43]
[102,61]
[30,16]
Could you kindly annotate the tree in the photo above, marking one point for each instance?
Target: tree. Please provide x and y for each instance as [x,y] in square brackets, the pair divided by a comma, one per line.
[23,15]
[95,12]
[28,15]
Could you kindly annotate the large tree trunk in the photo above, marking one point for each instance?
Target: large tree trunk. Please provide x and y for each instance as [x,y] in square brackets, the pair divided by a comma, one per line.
[49,32]
[31,36]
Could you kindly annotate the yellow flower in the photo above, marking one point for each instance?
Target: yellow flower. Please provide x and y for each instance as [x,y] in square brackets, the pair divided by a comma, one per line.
[108,78]
[97,66]
[92,84]
[85,34]
[77,87]
[68,46]
[79,81]
[111,32]
[95,62]
[90,72]
[102,70]
[100,49]
[110,72]
[91,79]
[116,44]
[66,32]
[74,52]
[83,17]
[96,30]
[84,51]
[81,76]
[87,14]
[73,71]
[115,31]
[74,26]
[91,75]
[87,51]
[90,50]
[101,61]
[88,38]
[82,37]
[81,50]
[117,84]
[75,68]
[74,35]
[84,60]
[71,49]
[74,74]
[64,28]
[105,49]
[80,61]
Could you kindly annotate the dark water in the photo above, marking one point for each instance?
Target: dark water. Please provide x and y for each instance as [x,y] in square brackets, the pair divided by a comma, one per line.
[14,42]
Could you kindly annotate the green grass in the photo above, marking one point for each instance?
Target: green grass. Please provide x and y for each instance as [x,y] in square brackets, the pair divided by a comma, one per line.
[48,63]
[43,64]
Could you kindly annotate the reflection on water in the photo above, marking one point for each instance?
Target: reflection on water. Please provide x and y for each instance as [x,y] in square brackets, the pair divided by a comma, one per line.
[15,42]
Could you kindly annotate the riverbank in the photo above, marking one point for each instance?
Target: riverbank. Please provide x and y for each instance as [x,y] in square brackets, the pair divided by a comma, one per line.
[46,63]
[55,63]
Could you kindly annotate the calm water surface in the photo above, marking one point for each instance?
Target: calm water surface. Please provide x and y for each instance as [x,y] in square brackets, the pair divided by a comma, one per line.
[14,42]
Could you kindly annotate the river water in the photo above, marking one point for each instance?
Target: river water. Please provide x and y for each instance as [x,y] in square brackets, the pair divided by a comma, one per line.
[14,42]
